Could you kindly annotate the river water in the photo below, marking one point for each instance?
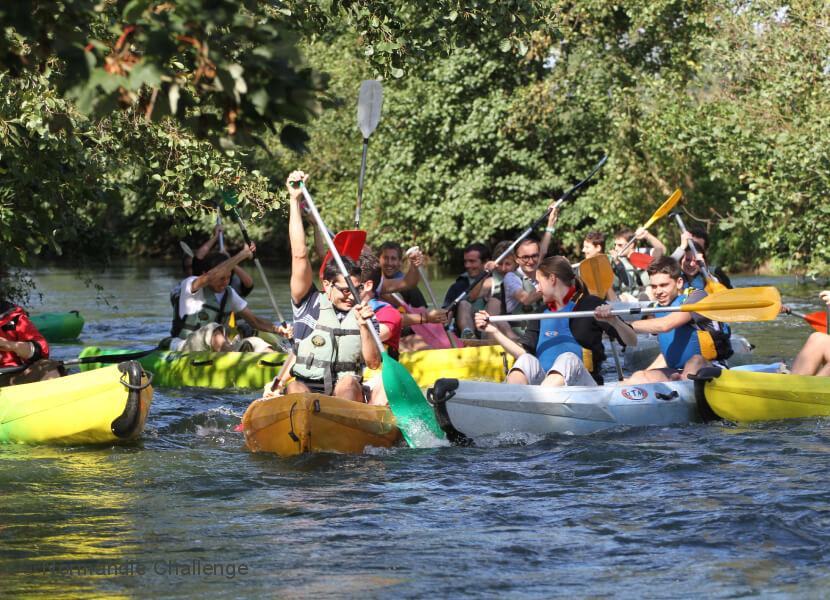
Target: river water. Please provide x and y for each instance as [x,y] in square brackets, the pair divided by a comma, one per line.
[704,510]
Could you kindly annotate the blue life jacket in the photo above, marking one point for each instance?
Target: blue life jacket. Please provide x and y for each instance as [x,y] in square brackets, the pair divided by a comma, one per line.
[555,339]
[681,344]
[698,282]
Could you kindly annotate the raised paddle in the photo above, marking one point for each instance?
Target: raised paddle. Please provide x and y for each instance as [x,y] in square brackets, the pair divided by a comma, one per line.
[219,225]
[640,260]
[244,230]
[348,243]
[567,196]
[431,294]
[369,103]
[415,418]
[712,285]
[739,305]
[598,276]
[661,212]
[816,320]
[186,249]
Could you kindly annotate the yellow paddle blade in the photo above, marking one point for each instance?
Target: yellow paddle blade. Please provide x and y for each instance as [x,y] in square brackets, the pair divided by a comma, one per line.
[597,274]
[665,208]
[739,305]
[713,286]
[232,320]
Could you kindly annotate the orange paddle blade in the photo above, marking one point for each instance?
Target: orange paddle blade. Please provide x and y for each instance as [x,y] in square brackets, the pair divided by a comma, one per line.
[665,208]
[640,260]
[739,305]
[818,321]
[348,243]
[597,274]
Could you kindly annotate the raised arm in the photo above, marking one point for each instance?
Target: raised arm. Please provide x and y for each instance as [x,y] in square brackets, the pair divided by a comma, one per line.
[223,269]
[659,248]
[544,245]
[203,250]
[301,272]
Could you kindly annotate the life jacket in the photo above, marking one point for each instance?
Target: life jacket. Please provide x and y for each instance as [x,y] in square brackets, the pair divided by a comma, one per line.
[711,340]
[212,311]
[393,343]
[15,326]
[628,278]
[556,338]
[332,349]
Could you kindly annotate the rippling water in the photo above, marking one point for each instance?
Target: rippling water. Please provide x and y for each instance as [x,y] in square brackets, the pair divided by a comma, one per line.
[703,510]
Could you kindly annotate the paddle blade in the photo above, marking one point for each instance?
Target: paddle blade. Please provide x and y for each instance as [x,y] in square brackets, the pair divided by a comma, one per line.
[597,274]
[665,208]
[713,286]
[818,321]
[369,103]
[738,305]
[640,260]
[414,415]
[348,243]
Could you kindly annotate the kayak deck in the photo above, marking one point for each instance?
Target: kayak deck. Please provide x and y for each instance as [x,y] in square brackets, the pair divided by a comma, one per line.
[301,423]
[99,407]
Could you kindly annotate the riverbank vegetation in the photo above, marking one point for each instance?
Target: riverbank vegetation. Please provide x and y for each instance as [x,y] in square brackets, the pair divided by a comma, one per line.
[121,122]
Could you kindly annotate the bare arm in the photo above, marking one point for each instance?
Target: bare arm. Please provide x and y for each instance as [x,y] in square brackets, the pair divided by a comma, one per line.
[483,324]
[246,280]
[203,250]
[223,269]
[662,324]
[258,322]
[410,280]
[368,348]
[301,272]
[659,248]
[544,245]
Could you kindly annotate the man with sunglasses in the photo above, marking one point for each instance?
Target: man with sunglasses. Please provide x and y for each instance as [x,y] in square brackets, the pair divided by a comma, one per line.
[332,341]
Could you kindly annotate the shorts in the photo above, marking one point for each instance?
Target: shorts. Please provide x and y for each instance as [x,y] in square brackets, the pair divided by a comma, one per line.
[568,365]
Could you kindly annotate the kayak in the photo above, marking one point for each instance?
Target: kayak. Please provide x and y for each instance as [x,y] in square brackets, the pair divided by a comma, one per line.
[99,407]
[648,347]
[59,327]
[467,410]
[252,370]
[216,370]
[302,423]
[745,396]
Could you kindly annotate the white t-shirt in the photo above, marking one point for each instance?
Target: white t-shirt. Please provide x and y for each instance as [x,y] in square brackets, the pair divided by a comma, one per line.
[191,302]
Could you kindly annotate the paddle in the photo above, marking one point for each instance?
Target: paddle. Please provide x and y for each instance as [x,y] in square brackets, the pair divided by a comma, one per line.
[661,212]
[219,225]
[186,249]
[712,286]
[485,273]
[415,418]
[369,103]
[348,243]
[432,297]
[816,320]
[739,305]
[598,276]
[230,200]
[640,260]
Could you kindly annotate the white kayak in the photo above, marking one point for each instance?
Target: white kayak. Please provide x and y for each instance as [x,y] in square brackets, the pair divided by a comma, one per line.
[648,347]
[471,409]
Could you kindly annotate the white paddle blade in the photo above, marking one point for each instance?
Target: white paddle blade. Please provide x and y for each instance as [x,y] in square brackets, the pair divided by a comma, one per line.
[369,104]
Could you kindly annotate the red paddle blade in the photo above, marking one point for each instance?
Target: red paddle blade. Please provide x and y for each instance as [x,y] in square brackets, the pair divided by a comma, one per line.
[348,243]
[640,260]
[818,321]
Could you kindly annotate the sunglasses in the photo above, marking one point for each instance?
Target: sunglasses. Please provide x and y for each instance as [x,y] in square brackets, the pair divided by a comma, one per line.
[345,289]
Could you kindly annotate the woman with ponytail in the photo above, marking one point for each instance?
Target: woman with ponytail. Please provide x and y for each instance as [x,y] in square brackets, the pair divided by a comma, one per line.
[557,352]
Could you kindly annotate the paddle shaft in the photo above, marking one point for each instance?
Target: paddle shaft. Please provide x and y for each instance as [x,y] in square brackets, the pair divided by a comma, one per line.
[484,274]
[260,269]
[581,314]
[434,301]
[337,258]
[221,235]
[670,202]
[360,183]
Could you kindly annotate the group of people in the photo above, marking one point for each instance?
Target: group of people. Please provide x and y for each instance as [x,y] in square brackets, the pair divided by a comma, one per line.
[331,334]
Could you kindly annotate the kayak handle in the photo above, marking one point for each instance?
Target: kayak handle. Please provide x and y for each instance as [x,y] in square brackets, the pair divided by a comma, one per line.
[669,396]
[268,363]
[202,363]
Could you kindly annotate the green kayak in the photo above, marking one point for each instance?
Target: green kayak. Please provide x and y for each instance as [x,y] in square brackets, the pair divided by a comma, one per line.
[59,327]
[217,370]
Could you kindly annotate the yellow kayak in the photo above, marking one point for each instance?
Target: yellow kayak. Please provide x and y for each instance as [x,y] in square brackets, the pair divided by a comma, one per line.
[751,396]
[477,363]
[301,423]
[96,407]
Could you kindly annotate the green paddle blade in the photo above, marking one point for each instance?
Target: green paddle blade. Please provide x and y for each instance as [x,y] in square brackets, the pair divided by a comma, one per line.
[414,415]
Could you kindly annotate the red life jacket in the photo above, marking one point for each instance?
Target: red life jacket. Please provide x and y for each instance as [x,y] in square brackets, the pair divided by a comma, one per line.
[15,326]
